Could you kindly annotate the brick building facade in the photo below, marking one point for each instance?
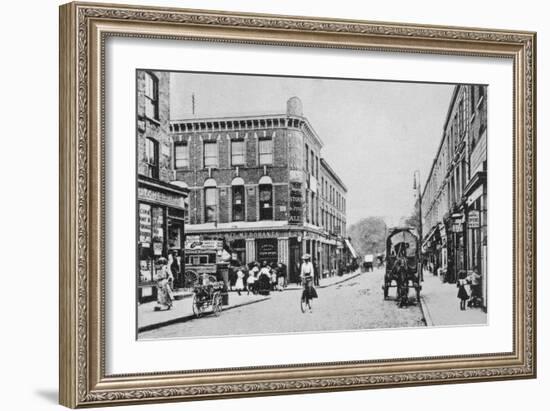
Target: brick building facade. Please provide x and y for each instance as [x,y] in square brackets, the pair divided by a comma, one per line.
[260,183]
[454,201]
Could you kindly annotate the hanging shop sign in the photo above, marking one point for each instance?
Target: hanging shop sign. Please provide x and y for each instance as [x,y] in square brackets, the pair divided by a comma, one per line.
[170,199]
[474,220]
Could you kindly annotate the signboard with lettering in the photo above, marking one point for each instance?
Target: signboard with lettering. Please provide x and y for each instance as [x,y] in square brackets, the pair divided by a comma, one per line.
[144,223]
[295,214]
[267,250]
[166,198]
[474,219]
[196,244]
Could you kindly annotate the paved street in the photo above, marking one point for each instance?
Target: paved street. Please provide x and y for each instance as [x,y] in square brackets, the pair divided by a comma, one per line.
[355,304]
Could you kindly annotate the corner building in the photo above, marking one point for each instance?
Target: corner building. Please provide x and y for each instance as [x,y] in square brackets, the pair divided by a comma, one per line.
[161,203]
[260,183]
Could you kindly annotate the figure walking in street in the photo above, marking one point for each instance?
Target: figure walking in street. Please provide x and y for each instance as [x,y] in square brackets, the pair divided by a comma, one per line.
[462,293]
[281,276]
[316,273]
[307,273]
[175,268]
[164,291]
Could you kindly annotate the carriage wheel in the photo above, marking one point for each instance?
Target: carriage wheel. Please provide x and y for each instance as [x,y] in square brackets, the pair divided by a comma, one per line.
[217,303]
[190,278]
[418,294]
[198,307]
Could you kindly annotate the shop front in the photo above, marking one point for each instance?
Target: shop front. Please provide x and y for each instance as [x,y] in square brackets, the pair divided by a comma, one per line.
[161,214]
[476,223]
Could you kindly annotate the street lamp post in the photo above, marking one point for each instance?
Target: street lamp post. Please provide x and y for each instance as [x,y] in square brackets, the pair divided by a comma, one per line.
[417,187]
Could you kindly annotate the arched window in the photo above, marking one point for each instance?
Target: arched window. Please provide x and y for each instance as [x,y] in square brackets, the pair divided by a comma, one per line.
[266,198]
[210,201]
[237,199]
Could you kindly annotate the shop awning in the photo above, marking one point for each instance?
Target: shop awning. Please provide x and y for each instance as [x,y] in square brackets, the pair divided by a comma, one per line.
[350,248]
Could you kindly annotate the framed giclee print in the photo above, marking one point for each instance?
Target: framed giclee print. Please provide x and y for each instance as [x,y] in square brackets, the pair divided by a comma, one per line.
[259,204]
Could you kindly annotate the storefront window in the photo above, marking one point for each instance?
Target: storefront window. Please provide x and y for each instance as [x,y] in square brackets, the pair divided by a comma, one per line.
[174,234]
[157,231]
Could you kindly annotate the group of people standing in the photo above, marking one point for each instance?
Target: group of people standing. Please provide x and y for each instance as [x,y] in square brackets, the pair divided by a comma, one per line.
[259,278]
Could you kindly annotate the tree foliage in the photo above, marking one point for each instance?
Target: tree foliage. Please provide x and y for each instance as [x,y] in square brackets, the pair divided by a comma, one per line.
[368,235]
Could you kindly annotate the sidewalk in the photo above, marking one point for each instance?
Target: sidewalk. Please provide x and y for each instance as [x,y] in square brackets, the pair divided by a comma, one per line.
[440,304]
[182,310]
[329,281]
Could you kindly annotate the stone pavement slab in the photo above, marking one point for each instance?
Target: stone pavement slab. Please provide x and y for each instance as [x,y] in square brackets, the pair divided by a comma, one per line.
[182,310]
[441,306]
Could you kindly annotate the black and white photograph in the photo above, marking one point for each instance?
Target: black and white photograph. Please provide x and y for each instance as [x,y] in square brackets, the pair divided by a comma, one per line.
[278,204]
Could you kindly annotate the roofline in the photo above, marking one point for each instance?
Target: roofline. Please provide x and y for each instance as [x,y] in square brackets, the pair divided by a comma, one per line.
[449,111]
[304,119]
[325,164]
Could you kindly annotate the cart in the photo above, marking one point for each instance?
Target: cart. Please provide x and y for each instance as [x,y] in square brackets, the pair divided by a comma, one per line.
[402,264]
[207,295]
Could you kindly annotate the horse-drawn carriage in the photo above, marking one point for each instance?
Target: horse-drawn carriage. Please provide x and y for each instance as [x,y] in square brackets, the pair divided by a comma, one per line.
[402,264]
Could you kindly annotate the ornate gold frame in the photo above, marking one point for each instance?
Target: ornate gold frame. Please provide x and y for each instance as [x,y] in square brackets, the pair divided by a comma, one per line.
[83,29]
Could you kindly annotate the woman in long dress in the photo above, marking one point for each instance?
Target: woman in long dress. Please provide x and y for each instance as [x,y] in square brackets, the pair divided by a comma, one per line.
[164,291]
[264,279]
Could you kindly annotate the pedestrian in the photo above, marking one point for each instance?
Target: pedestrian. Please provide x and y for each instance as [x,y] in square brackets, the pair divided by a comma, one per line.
[315,272]
[250,281]
[462,293]
[273,277]
[165,296]
[239,283]
[174,267]
[281,276]
[307,274]
[264,279]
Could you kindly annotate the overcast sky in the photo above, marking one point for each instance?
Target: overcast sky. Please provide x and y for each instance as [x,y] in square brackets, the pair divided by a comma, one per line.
[375,134]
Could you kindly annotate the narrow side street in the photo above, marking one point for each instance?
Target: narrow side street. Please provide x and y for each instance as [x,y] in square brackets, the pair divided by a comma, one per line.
[351,305]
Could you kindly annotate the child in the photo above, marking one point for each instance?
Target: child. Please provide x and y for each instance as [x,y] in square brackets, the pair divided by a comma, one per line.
[462,293]
[250,282]
[239,284]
